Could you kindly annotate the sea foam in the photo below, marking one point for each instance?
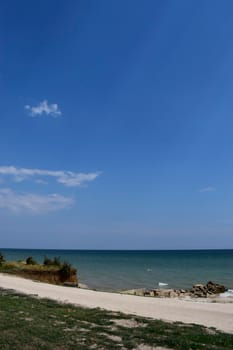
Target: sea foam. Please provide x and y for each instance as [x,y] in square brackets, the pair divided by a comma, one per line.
[227,294]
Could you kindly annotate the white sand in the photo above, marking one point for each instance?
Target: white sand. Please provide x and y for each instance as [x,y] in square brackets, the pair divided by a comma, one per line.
[218,315]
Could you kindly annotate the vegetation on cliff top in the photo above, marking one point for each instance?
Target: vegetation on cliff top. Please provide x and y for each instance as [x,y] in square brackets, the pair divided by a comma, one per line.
[30,266]
[2,259]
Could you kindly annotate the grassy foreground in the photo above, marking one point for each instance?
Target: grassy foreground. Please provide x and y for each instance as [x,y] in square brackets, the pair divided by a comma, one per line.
[31,323]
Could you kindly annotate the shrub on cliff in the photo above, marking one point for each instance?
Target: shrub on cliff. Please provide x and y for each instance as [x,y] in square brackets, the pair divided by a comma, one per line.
[66,271]
[52,262]
[31,261]
[2,259]
[47,261]
[57,261]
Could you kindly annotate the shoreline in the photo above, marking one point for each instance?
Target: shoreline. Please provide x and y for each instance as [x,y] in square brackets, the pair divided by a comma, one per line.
[207,313]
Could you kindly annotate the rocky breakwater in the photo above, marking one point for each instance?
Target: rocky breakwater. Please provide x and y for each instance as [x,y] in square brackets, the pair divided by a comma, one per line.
[207,290]
[210,289]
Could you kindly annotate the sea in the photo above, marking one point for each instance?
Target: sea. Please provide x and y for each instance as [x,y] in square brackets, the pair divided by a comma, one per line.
[115,270]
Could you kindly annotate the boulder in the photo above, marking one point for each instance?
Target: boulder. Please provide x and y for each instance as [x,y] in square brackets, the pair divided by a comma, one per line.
[173,294]
[164,293]
[203,291]
[183,291]
[215,288]
[139,292]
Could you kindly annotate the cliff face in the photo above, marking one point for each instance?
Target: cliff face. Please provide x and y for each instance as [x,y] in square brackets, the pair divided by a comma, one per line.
[54,277]
[52,271]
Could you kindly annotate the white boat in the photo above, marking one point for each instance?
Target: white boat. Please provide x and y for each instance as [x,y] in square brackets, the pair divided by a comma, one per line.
[161,284]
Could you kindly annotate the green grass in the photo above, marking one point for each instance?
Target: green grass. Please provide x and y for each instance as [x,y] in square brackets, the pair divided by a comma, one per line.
[14,266]
[30,323]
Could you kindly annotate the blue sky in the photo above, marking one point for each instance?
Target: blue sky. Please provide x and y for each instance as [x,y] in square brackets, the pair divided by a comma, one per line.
[116,124]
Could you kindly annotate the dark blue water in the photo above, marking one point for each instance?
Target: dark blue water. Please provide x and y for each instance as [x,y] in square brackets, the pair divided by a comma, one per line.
[116,270]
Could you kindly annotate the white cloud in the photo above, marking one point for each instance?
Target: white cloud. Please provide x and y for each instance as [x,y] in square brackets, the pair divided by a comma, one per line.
[34,203]
[67,178]
[207,189]
[41,182]
[44,108]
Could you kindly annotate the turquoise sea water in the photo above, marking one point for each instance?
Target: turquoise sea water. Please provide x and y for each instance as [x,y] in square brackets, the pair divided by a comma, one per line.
[117,270]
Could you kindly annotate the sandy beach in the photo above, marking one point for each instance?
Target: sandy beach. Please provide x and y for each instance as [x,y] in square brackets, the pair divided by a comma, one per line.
[218,315]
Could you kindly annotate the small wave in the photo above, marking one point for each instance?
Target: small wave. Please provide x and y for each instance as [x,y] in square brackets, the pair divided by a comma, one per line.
[161,284]
[227,294]
[149,270]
